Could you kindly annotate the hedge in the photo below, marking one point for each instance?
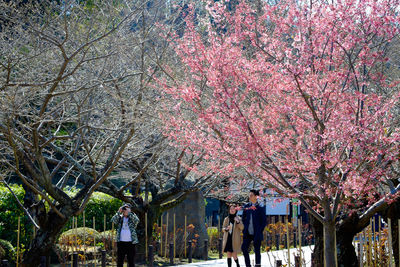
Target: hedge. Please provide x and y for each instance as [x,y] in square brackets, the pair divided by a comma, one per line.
[9,213]
[7,251]
[81,236]
[100,204]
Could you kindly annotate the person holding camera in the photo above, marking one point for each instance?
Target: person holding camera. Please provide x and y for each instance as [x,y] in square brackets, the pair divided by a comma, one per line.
[126,221]
[232,228]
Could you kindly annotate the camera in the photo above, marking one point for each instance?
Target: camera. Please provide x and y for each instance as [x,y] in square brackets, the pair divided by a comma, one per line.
[125,207]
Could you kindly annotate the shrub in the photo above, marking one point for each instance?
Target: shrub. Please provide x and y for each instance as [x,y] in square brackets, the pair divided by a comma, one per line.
[106,238]
[79,236]
[179,238]
[2,253]
[99,205]
[9,213]
[213,236]
[9,251]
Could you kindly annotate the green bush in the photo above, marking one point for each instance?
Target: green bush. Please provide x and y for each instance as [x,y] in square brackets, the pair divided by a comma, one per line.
[212,231]
[107,237]
[213,236]
[2,253]
[81,235]
[9,213]
[8,250]
[100,204]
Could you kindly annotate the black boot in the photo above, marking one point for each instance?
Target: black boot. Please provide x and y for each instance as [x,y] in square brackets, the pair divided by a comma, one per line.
[237,263]
[229,262]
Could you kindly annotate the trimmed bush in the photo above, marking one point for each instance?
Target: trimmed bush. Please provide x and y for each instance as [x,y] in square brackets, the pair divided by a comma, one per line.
[100,204]
[213,236]
[81,235]
[7,251]
[106,238]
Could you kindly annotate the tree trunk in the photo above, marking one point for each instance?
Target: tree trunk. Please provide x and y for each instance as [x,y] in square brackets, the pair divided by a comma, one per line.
[330,244]
[347,228]
[395,240]
[318,255]
[44,240]
[346,254]
[393,212]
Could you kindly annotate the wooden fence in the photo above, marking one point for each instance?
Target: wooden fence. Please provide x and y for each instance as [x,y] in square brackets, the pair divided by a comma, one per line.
[373,244]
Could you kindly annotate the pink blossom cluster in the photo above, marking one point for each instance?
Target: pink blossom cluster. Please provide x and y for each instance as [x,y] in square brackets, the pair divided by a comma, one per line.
[291,94]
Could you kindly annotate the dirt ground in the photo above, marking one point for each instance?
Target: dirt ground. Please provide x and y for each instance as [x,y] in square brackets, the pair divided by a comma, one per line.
[158,261]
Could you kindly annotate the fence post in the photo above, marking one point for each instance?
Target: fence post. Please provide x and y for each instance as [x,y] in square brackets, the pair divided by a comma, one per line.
[75,259]
[171,253]
[398,242]
[190,251]
[278,263]
[285,241]
[206,249]
[158,249]
[145,234]
[389,242]
[103,258]
[112,243]
[184,242]
[313,259]
[18,236]
[277,241]
[43,261]
[297,261]
[151,258]
[220,247]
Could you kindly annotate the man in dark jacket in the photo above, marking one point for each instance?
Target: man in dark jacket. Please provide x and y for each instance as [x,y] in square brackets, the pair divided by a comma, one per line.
[254,220]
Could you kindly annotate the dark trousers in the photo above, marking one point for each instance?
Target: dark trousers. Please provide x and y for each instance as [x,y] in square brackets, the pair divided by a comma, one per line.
[247,239]
[128,249]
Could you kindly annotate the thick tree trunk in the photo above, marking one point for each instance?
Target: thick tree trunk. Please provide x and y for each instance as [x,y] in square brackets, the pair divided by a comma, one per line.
[330,244]
[318,255]
[346,229]
[345,233]
[393,212]
[394,215]
[395,240]
[44,240]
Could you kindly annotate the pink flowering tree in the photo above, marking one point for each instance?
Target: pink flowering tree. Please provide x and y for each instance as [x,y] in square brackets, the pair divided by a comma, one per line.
[294,94]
